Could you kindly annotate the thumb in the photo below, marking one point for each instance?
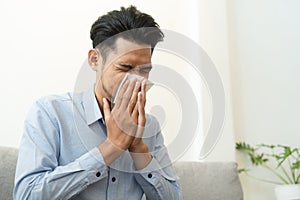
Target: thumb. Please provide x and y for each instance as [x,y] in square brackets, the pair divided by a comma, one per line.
[106,109]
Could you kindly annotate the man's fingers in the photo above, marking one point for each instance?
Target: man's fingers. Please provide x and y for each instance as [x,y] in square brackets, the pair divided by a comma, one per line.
[139,132]
[135,113]
[141,104]
[143,90]
[141,110]
[106,109]
[121,93]
[127,95]
[133,100]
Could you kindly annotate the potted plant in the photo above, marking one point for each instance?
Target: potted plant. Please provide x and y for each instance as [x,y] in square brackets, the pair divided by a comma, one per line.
[282,161]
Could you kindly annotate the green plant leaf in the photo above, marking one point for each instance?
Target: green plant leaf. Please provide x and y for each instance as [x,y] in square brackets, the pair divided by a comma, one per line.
[242,146]
[267,146]
[286,153]
[258,159]
[277,157]
[242,170]
[261,154]
[296,165]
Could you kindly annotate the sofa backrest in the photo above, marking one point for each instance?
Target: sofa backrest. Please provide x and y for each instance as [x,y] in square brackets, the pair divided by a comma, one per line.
[209,180]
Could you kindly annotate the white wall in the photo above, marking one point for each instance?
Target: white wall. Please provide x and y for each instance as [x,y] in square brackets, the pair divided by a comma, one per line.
[44,43]
[214,40]
[265,67]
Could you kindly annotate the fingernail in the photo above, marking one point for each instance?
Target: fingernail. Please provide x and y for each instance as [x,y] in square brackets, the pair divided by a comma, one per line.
[137,84]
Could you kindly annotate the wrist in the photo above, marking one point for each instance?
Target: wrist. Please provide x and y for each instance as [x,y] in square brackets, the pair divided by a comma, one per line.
[122,143]
[109,151]
[139,148]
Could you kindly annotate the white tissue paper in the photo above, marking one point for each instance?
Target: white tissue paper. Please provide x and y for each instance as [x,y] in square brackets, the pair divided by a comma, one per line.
[129,77]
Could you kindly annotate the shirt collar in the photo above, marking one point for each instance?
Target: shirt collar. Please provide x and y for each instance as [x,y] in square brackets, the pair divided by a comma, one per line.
[91,107]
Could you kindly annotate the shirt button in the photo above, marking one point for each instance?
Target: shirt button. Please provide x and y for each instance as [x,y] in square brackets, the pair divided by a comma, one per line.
[113,179]
[98,174]
[150,175]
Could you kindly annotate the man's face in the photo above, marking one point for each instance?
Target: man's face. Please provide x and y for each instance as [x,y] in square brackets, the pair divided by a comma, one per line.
[127,57]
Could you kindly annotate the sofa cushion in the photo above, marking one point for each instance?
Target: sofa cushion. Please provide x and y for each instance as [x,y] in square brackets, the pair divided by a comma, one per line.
[209,180]
[8,161]
[199,180]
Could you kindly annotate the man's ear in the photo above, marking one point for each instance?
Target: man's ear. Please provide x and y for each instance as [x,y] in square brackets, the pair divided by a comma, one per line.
[94,59]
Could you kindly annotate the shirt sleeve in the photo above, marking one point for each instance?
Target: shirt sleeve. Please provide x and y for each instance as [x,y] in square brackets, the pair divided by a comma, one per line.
[38,175]
[158,179]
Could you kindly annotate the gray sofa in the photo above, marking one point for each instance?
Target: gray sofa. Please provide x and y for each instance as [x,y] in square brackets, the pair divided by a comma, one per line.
[199,180]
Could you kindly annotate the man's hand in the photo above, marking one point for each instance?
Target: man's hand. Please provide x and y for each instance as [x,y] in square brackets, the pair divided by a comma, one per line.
[138,149]
[121,127]
[120,122]
[137,145]
[125,125]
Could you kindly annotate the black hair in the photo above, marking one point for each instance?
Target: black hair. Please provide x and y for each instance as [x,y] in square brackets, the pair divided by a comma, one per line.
[134,25]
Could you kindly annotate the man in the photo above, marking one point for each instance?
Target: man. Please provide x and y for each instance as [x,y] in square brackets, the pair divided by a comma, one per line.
[84,145]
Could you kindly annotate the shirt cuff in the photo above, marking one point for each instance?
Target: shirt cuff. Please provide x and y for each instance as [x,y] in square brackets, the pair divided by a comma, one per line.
[152,173]
[93,163]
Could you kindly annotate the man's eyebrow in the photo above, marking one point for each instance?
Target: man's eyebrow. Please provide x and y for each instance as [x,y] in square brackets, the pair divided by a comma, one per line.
[148,66]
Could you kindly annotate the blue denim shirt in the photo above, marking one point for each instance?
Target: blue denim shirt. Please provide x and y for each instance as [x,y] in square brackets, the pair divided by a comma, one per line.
[59,158]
